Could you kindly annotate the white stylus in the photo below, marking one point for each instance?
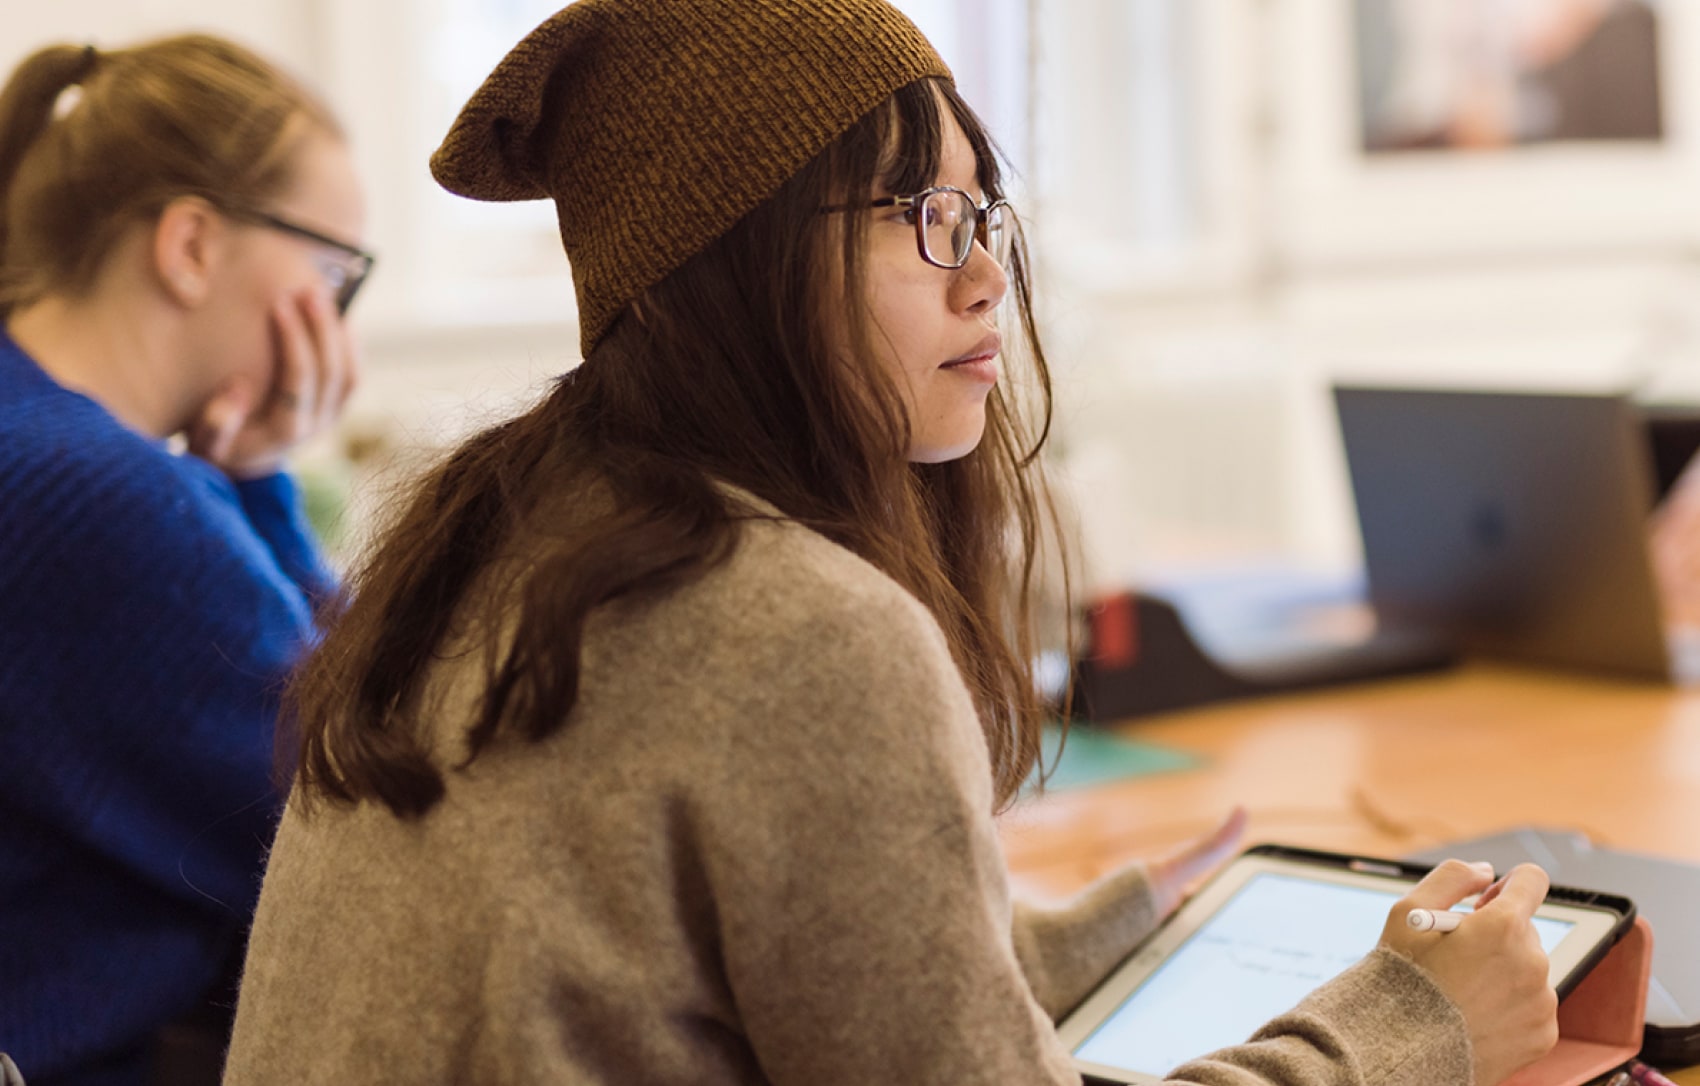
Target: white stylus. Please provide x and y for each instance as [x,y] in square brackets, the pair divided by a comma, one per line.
[1430,920]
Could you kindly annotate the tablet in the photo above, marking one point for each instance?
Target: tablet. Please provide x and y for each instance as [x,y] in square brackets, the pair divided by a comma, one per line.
[1275,924]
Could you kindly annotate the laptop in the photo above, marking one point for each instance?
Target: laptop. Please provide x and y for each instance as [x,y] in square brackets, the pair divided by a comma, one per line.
[1513,523]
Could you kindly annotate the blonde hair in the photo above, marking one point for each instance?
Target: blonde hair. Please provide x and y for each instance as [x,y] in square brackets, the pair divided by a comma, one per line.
[92,142]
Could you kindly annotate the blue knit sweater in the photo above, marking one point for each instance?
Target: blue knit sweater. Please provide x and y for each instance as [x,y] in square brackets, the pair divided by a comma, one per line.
[149,610]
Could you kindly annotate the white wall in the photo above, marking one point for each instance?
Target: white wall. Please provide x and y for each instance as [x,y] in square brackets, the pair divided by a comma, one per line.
[285,29]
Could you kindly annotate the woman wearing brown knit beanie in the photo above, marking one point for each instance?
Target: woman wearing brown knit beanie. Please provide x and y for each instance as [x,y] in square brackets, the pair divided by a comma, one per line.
[662,738]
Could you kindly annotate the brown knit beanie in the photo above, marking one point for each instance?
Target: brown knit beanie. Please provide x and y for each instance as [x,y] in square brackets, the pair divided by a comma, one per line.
[655,125]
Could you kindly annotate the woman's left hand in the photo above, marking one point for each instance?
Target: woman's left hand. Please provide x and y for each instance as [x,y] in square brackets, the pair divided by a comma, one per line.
[317,369]
[1175,875]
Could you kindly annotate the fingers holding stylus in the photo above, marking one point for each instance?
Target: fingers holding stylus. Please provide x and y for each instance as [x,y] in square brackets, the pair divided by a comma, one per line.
[1439,920]
[1491,966]
[1494,891]
[1444,887]
[1510,904]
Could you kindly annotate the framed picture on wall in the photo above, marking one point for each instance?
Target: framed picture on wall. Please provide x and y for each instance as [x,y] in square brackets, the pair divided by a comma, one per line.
[1488,74]
[1490,129]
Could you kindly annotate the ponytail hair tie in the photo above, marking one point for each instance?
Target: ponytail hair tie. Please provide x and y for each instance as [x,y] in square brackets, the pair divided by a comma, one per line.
[72,92]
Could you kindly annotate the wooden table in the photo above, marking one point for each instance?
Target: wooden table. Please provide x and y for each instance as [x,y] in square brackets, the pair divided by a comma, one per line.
[1392,768]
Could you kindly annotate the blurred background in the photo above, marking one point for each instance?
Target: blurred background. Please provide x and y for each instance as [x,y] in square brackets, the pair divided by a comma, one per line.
[1233,203]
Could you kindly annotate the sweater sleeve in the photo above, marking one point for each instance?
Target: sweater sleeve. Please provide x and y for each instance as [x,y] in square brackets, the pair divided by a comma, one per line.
[1383,1022]
[147,634]
[1067,951]
[275,510]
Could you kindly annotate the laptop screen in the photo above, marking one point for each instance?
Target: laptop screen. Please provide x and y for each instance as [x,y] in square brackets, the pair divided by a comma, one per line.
[1515,522]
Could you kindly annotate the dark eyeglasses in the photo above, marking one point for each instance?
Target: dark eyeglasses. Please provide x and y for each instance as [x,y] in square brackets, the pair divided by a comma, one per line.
[344,266]
[948,222]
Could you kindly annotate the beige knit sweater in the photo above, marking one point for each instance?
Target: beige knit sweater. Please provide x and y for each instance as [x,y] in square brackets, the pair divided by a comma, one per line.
[761,851]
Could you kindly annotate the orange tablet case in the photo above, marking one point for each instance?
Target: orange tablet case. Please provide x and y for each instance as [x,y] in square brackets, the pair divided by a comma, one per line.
[1599,1024]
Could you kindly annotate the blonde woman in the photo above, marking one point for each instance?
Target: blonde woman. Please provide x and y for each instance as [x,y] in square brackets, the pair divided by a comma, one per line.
[179,237]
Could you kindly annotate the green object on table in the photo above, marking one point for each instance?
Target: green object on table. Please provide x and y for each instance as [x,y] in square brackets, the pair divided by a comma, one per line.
[1092,756]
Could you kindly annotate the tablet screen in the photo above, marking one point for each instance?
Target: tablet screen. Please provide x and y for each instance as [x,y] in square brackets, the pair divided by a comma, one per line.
[1268,946]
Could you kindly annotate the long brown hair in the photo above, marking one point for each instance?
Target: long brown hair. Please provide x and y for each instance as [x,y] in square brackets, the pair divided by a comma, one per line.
[92,142]
[723,374]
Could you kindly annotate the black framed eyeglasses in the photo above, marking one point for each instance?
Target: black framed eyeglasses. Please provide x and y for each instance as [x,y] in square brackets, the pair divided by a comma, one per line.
[948,222]
[343,266]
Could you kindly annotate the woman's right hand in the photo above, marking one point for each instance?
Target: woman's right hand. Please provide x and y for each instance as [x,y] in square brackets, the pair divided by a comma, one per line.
[246,431]
[1492,966]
